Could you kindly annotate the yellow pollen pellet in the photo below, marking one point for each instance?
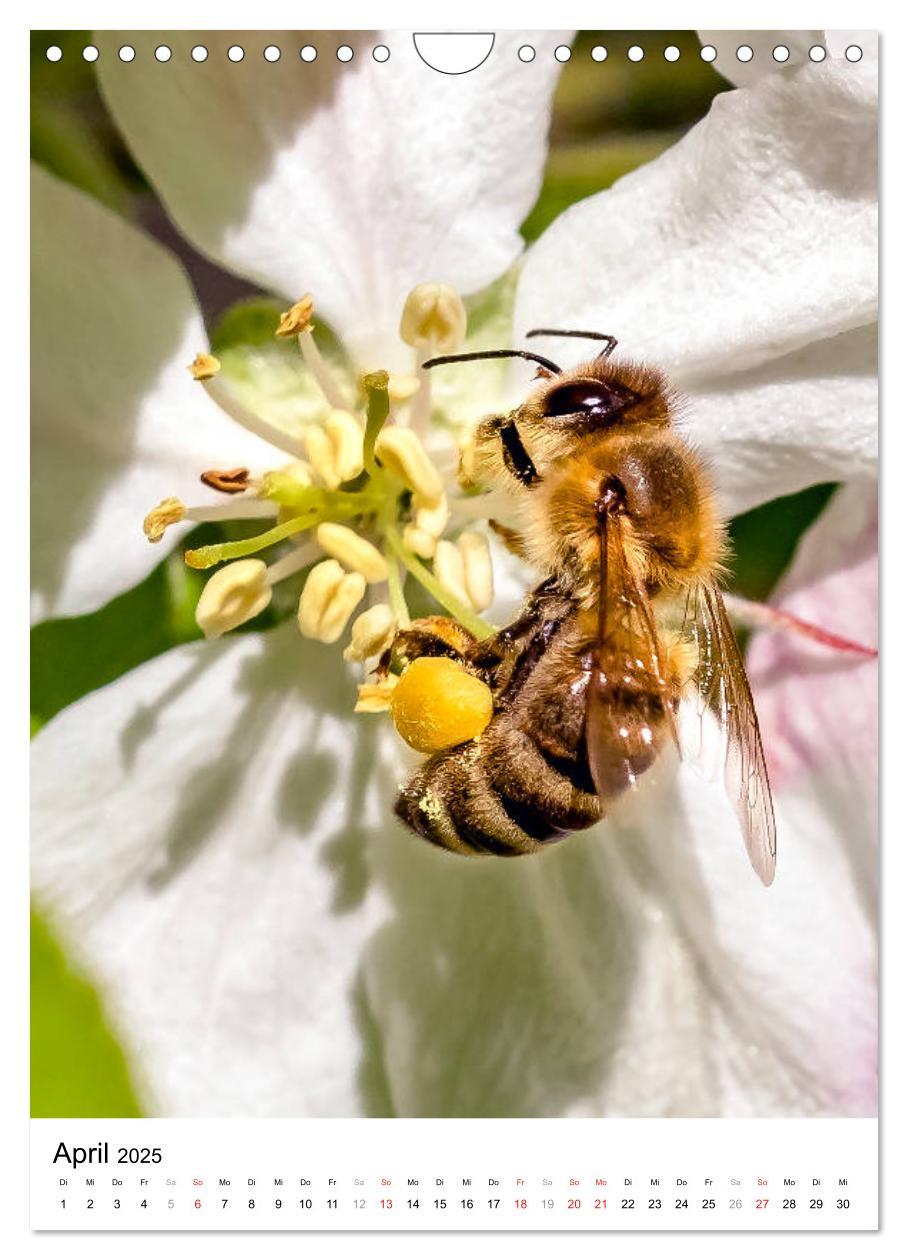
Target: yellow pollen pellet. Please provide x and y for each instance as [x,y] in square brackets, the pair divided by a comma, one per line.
[320,450]
[356,553]
[434,316]
[449,569]
[419,542]
[402,453]
[371,633]
[204,366]
[328,600]
[438,704]
[376,697]
[168,512]
[477,569]
[346,436]
[232,596]
[297,320]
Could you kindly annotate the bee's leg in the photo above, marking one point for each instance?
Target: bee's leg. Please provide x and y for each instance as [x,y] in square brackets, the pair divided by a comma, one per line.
[512,539]
[428,636]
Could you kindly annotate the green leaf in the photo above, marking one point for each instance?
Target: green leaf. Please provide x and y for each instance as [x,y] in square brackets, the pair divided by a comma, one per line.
[77,1066]
[764,539]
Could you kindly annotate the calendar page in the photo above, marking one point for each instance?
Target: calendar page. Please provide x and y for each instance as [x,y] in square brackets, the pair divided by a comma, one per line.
[454,649]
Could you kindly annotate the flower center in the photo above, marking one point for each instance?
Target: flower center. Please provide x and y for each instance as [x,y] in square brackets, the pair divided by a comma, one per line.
[361,503]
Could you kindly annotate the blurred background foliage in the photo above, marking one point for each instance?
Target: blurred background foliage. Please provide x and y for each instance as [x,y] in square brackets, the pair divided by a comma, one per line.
[609,117]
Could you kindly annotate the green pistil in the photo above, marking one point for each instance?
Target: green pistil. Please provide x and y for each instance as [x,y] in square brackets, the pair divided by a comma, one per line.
[377,409]
[207,557]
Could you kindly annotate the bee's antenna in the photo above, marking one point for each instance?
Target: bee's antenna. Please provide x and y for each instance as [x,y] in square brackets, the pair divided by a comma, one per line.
[494,354]
[610,341]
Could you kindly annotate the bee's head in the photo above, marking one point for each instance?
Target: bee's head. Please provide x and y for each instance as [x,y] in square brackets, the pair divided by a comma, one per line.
[566,406]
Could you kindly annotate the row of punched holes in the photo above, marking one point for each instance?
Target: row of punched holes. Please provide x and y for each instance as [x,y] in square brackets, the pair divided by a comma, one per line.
[526,52]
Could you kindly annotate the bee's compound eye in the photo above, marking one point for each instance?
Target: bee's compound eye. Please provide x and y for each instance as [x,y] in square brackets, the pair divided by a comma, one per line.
[585,397]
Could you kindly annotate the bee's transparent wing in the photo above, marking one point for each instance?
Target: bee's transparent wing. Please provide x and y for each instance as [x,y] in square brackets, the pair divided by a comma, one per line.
[719,731]
[629,716]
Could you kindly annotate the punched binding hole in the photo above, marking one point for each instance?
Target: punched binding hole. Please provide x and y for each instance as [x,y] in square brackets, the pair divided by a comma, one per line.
[708,52]
[308,53]
[780,53]
[90,53]
[817,53]
[345,53]
[599,53]
[854,52]
[199,53]
[127,53]
[635,53]
[54,53]
[562,53]
[236,52]
[672,52]
[272,53]
[162,53]
[381,52]
[526,52]
[744,53]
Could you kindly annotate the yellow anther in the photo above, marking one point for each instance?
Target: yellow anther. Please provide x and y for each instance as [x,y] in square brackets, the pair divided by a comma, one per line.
[328,600]
[431,516]
[235,594]
[356,553]
[419,542]
[371,633]
[477,569]
[204,366]
[376,697]
[297,320]
[346,435]
[402,453]
[320,450]
[434,316]
[449,569]
[437,704]
[168,512]
[402,387]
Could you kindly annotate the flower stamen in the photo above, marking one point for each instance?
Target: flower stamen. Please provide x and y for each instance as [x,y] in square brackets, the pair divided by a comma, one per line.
[328,599]
[221,393]
[356,553]
[232,596]
[234,481]
[298,322]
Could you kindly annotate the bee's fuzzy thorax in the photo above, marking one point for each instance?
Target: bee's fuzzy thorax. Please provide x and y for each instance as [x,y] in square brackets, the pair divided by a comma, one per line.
[670,529]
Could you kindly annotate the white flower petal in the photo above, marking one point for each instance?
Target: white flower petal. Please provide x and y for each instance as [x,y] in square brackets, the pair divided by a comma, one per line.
[806,417]
[629,971]
[200,842]
[117,422]
[354,181]
[752,237]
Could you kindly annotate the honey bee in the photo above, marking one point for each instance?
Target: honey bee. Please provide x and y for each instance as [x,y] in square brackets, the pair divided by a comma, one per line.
[623,653]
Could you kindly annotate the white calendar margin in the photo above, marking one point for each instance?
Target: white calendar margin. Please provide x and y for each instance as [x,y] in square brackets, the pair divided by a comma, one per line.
[659,14]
